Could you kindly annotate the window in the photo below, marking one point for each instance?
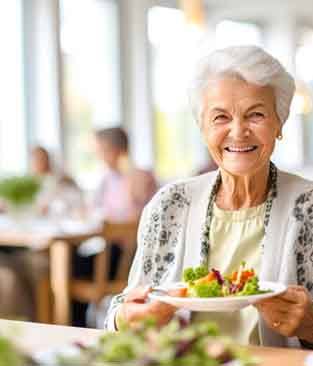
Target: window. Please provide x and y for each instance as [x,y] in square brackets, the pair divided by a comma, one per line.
[177,138]
[174,48]
[91,78]
[303,101]
[12,122]
[232,33]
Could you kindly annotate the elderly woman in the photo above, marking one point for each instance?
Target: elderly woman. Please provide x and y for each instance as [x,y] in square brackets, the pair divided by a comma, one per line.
[247,210]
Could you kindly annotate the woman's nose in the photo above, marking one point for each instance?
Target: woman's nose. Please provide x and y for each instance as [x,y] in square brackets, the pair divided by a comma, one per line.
[239,128]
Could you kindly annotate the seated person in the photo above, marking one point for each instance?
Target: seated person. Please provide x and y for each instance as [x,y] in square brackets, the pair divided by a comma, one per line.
[124,190]
[59,195]
[120,197]
[20,270]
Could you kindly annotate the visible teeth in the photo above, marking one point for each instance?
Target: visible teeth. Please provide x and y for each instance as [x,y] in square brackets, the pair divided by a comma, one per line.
[241,149]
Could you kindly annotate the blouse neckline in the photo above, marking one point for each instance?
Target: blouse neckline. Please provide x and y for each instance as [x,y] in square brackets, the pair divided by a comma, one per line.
[239,215]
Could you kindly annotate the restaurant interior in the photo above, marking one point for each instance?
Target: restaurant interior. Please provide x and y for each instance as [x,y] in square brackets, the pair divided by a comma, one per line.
[95,119]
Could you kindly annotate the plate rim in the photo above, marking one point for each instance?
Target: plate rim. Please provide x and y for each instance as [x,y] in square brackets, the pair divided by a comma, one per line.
[226,299]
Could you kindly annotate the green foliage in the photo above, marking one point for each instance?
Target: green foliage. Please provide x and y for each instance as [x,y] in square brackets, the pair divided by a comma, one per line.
[170,345]
[19,190]
[8,354]
[189,275]
[192,274]
[201,271]
[211,289]
[251,287]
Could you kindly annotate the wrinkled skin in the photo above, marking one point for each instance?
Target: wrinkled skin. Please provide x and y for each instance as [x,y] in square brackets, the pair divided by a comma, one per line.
[290,314]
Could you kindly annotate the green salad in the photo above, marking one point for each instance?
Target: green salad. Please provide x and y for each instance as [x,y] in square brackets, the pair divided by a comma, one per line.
[202,282]
[175,344]
[10,355]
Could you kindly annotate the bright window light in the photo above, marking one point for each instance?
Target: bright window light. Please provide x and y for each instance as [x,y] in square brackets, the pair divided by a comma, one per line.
[174,45]
[12,123]
[232,33]
[91,71]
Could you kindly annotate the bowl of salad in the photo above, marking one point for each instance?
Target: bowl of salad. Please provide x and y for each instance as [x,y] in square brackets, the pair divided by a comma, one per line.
[209,290]
[175,344]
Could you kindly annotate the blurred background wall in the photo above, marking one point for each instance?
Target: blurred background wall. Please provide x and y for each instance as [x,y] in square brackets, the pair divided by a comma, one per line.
[69,66]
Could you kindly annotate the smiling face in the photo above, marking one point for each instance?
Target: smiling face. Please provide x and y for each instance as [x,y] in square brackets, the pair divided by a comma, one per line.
[240,124]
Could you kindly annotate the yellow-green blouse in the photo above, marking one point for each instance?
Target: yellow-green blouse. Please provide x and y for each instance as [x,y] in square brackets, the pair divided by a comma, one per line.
[236,236]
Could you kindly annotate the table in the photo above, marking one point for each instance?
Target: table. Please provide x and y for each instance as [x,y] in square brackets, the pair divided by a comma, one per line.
[34,337]
[57,245]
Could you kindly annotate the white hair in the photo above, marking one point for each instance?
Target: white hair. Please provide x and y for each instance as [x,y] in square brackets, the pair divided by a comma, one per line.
[250,63]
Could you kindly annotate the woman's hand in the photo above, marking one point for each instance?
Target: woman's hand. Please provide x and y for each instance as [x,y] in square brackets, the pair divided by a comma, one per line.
[135,309]
[290,314]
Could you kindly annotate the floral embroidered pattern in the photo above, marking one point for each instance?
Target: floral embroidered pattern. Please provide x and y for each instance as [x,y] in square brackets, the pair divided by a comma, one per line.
[159,237]
[303,213]
[162,233]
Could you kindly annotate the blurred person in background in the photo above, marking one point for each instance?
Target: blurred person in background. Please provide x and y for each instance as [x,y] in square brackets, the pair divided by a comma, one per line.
[60,195]
[120,197]
[124,190]
[40,162]
[20,270]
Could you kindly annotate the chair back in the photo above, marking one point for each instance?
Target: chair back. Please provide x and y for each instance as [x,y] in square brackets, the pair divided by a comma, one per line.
[94,290]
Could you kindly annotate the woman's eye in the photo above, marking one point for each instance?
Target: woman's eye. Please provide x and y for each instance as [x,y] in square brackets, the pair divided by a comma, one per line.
[220,118]
[256,115]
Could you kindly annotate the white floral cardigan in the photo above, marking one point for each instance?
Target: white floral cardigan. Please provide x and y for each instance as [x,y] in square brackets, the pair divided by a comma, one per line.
[169,239]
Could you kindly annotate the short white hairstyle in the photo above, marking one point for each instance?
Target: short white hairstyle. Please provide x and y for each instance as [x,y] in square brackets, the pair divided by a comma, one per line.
[250,63]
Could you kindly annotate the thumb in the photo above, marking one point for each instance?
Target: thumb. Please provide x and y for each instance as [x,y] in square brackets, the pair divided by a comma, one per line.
[138,294]
[179,292]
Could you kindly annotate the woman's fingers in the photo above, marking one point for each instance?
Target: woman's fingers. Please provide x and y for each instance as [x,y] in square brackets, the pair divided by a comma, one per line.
[179,292]
[283,322]
[273,303]
[294,294]
[286,313]
[136,308]
[159,311]
[139,294]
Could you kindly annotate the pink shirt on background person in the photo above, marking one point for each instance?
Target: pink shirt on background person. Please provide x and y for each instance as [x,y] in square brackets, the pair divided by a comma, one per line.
[112,200]
[121,198]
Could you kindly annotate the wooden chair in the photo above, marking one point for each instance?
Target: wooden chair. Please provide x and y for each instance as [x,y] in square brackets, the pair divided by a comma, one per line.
[94,290]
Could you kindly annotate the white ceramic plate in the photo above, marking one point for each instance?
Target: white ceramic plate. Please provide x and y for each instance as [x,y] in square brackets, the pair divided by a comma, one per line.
[216,304]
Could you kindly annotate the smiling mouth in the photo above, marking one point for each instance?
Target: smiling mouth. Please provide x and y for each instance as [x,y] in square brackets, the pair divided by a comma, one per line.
[246,149]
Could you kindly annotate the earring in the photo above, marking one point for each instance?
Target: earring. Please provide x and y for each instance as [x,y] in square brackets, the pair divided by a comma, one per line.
[280,137]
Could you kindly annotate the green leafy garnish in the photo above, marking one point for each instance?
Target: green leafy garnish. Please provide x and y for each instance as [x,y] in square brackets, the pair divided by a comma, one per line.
[201,271]
[189,275]
[211,289]
[9,356]
[192,274]
[251,287]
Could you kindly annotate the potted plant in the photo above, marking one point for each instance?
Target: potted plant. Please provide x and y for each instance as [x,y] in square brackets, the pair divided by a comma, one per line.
[19,193]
